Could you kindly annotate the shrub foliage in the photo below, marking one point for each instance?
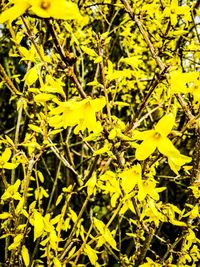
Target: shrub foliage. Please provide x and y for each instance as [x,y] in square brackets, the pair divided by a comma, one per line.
[100,133]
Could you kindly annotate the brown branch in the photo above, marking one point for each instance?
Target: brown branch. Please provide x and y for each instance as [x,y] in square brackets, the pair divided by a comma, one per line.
[142,105]
[73,231]
[68,58]
[145,35]
[8,82]
[103,76]
[196,165]
[145,247]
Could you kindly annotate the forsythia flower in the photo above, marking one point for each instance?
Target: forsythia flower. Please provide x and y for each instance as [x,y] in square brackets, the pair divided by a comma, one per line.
[81,114]
[58,9]
[182,82]
[12,192]
[174,10]
[157,138]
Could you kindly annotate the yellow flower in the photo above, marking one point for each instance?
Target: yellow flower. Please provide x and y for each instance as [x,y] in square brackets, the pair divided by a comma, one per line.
[58,9]
[174,10]
[182,82]
[176,160]
[4,164]
[12,192]
[88,110]
[81,114]
[157,138]
[130,177]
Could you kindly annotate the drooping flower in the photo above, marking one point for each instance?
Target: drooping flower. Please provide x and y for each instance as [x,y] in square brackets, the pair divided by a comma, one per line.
[88,110]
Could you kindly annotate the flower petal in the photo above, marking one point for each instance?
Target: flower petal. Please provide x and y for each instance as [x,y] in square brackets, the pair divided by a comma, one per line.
[145,149]
[98,103]
[165,124]
[6,155]
[13,12]
[64,10]
[178,160]
[166,147]
[10,166]
[143,135]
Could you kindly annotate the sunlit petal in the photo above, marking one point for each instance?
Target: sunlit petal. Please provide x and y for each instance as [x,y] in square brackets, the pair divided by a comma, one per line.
[178,160]
[145,149]
[143,135]
[98,103]
[6,155]
[165,124]
[166,147]
[58,9]
[9,166]
[13,12]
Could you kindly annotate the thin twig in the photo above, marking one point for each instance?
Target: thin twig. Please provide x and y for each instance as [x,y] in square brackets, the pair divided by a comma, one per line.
[62,158]
[105,89]
[73,231]
[145,35]
[145,247]
[67,58]
[8,82]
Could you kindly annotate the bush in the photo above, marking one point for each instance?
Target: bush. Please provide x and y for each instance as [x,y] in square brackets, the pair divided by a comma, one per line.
[100,134]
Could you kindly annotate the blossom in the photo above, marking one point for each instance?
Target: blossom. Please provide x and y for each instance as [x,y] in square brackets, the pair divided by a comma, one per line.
[12,192]
[58,9]
[182,82]
[174,10]
[177,160]
[157,138]
[81,114]
[88,110]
